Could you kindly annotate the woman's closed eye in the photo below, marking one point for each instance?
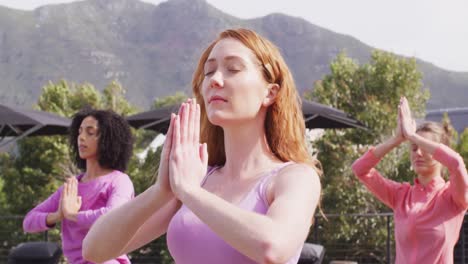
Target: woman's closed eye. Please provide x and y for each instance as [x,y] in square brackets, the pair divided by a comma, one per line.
[209,69]
[209,73]
[233,70]
[91,131]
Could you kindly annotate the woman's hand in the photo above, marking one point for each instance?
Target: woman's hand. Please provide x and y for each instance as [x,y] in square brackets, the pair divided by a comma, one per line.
[188,158]
[71,202]
[399,137]
[57,216]
[163,172]
[407,123]
[59,211]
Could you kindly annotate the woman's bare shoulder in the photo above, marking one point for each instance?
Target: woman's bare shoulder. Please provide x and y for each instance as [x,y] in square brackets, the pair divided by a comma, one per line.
[299,172]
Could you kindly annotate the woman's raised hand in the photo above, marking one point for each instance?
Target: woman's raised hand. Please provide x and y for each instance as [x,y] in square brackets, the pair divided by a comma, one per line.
[163,171]
[406,122]
[188,158]
[399,132]
[70,201]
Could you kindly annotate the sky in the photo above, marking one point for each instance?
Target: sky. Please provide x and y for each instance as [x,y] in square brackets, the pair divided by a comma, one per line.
[433,30]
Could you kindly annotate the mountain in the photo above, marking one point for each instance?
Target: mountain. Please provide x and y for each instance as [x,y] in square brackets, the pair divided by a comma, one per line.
[153,50]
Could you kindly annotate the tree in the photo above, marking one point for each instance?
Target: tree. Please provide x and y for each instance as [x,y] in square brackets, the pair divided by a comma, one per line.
[114,99]
[462,146]
[177,98]
[41,164]
[371,93]
[459,142]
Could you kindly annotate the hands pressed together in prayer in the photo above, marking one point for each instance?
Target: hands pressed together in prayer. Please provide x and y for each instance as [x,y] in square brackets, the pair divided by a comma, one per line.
[184,160]
[406,127]
[69,203]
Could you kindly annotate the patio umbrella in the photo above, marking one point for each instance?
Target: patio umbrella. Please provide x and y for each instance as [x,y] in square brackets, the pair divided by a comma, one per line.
[157,119]
[316,116]
[17,123]
[321,116]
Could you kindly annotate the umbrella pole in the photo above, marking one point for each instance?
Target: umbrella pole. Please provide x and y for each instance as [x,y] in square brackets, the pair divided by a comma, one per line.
[29,131]
[310,118]
[154,123]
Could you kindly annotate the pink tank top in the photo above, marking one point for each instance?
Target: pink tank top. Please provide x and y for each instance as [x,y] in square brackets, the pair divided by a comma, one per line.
[191,241]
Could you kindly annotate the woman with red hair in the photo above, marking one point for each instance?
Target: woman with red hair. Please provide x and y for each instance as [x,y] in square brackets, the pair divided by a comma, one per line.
[247,195]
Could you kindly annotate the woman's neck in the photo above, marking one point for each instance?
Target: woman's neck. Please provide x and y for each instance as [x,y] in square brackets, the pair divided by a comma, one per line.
[247,151]
[94,170]
[425,179]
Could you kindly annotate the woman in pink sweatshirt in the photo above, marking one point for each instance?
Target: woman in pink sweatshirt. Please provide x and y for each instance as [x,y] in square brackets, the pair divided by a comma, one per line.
[101,143]
[428,214]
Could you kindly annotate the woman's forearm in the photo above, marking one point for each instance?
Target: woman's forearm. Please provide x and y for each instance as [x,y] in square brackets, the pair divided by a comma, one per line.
[121,224]
[458,174]
[53,218]
[425,144]
[385,147]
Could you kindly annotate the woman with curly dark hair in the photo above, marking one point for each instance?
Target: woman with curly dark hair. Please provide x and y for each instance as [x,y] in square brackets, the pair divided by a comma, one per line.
[101,145]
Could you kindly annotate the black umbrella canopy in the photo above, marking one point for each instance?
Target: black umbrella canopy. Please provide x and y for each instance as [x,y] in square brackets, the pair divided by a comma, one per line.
[19,122]
[157,120]
[316,116]
[321,116]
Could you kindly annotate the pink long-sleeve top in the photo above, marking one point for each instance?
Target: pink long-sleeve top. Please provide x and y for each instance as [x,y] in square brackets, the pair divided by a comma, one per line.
[427,218]
[98,197]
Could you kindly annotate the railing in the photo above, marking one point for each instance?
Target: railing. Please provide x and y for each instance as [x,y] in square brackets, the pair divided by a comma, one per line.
[378,243]
[364,238]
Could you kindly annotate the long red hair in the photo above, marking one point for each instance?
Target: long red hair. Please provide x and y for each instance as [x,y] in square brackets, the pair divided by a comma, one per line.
[284,122]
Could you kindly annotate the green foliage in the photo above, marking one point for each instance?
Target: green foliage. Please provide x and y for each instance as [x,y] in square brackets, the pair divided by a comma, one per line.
[114,99]
[3,202]
[370,93]
[462,147]
[33,174]
[65,98]
[39,165]
[177,98]
[143,171]
[452,131]
[157,249]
